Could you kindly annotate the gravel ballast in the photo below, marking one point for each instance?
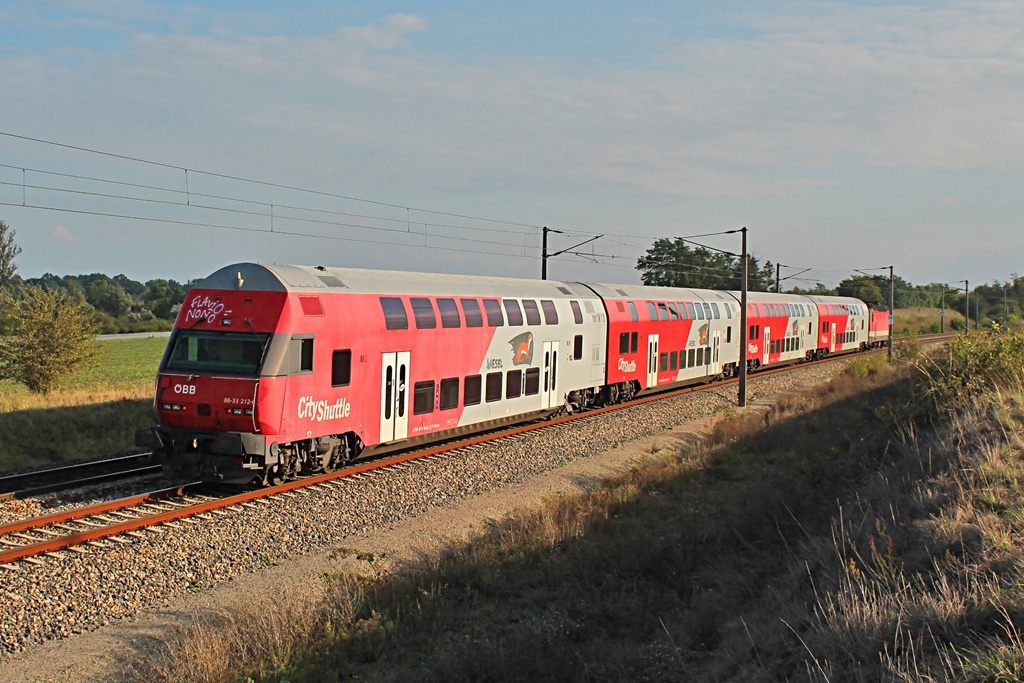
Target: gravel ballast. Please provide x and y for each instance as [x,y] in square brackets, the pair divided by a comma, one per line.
[78,592]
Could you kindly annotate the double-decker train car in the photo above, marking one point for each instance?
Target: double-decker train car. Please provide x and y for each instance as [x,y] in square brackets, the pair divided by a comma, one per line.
[666,336]
[272,371]
[275,371]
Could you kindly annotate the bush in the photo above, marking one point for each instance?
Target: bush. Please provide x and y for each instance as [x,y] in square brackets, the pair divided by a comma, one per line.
[51,335]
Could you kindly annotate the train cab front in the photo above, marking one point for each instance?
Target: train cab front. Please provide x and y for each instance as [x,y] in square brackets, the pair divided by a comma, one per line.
[206,403]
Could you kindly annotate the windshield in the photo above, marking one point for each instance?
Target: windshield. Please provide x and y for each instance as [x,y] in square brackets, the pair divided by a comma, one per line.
[206,351]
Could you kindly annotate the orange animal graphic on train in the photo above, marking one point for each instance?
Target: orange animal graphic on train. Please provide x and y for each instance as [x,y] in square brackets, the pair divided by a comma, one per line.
[522,348]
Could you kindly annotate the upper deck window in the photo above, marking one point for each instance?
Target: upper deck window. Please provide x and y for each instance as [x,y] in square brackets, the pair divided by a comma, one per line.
[423,311]
[449,313]
[532,312]
[495,318]
[652,310]
[395,317]
[577,314]
[550,313]
[471,309]
[515,315]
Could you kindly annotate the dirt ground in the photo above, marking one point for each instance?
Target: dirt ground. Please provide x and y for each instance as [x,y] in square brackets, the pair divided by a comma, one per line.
[104,655]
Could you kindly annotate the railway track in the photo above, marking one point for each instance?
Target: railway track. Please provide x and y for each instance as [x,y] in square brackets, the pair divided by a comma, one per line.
[27,484]
[118,520]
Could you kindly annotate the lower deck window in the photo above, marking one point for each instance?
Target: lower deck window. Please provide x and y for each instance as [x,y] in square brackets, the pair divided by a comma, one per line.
[423,397]
[471,390]
[449,393]
[514,384]
[532,381]
[493,387]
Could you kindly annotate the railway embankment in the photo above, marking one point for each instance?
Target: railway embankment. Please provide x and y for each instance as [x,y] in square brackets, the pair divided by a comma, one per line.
[863,530]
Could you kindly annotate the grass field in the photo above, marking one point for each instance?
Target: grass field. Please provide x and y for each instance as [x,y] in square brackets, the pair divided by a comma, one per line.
[907,321]
[94,415]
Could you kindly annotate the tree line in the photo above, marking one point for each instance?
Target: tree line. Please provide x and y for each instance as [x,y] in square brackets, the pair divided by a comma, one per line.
[119,303]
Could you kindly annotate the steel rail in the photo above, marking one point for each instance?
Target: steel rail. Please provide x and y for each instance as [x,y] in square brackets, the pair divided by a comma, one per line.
[60,542]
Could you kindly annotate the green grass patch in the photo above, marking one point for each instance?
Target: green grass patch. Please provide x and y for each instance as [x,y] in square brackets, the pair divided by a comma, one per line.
[93,416]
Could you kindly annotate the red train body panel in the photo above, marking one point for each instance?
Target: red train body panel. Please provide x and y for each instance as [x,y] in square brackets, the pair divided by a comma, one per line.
[276,371]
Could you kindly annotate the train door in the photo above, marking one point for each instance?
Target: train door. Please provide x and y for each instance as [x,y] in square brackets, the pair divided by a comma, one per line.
[832,341]
[766,346]
[394,413]
[550,385]
[716,364]
[652,360]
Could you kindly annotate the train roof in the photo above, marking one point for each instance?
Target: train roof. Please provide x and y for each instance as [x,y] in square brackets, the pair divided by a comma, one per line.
[613,291]
[322,279]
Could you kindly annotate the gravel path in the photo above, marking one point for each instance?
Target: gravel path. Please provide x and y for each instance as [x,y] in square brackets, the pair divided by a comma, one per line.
[112,581]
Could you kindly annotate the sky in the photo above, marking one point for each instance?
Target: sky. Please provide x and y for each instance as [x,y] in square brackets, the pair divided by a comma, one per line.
[169,139]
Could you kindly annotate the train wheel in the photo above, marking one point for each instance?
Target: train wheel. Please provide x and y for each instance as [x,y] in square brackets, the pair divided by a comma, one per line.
[275,477]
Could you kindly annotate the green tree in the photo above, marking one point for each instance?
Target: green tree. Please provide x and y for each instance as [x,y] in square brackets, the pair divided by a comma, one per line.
[8,252]
[866,289]
[51,337]
[673,263]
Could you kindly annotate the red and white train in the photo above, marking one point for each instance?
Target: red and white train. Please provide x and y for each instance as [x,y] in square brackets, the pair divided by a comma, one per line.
[273,371]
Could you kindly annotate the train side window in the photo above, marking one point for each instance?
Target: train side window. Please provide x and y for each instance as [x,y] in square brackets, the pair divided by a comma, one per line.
[493,387]
[682,310]
[699,309]
[728,335]
[471,310]
[700,355]
[423,311]
[728,311]
[423,397]
[620,306]
[824,327]
[471,390]
[341,367]
[714,309]
[577,347]
[707,356]
[662,362]
[682,359]
[690,355]
[634,340]
[449,313]
[809,328]
[652,310]
[449,393]
[550,312]
[394,313]
[514,384]
[301,352]
[662,310]
[532,312]
[577,314]
[632,312]
[494,315]
[512,310]
[532,381]
[624,342]
[707,311]
[673,360]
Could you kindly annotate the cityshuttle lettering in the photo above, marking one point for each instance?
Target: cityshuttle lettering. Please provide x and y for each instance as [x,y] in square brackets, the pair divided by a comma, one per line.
[627,366]
[318,411]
